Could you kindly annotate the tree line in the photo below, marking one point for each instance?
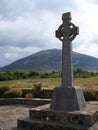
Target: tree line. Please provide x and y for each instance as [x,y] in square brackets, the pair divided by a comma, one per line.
[8,75]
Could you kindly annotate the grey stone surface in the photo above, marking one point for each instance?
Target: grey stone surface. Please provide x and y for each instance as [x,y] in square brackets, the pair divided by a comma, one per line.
[10,113]
[67,97]
[42,118]
[13,108]
[66,33]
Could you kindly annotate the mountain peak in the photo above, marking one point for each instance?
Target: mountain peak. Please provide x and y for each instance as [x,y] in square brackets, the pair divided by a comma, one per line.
[51,60]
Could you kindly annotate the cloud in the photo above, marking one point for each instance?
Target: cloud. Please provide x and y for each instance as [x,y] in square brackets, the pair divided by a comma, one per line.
[28,26]
[10,9]
[87,22]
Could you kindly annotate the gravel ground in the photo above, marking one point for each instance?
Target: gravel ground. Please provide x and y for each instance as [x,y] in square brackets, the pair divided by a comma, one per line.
[10,113]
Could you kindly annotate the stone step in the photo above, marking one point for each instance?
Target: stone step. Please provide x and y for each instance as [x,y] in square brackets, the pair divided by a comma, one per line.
[82,118]
[47,125]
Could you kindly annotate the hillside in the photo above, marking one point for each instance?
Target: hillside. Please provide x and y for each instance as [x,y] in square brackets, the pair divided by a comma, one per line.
[49,60]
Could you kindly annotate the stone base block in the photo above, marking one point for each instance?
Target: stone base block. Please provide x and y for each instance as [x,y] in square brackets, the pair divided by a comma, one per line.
[44,118]
[68,98]
[28,124]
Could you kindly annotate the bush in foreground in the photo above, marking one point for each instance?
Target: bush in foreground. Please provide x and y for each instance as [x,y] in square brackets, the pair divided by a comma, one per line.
[29,95]
[89,94]
[3,89]
[12,93]
[37,89]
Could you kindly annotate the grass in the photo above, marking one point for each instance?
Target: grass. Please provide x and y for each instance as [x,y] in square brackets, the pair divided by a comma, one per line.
[50,82]
[28,83]
[87,82]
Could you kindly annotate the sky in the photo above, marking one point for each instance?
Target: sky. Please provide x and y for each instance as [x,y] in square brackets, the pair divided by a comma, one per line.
[28,26]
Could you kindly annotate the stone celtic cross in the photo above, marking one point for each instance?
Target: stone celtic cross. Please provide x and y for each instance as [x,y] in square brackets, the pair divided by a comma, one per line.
[67,96]
[66,33]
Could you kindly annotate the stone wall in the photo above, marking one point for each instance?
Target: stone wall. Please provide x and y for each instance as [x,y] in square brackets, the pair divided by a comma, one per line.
[24,101]
[45,93]
[89,93]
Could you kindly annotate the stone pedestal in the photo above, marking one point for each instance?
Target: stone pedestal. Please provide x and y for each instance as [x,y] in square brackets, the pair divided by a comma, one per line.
[44,118]
[67,98]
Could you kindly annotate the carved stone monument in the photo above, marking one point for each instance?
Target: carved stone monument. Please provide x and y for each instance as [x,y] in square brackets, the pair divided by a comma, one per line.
[67,97]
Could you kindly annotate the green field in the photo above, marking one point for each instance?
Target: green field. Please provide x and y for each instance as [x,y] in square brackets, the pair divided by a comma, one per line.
[50,82]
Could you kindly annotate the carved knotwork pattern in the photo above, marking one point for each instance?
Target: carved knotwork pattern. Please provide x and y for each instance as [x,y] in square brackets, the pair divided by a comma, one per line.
[73,31]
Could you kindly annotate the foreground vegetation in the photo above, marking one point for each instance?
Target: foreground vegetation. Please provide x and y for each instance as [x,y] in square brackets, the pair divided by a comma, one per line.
[52,79]
[12,82]
[9,91]
[50,82]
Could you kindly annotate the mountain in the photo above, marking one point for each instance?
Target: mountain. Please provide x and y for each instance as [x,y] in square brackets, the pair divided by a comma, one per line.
[50,60]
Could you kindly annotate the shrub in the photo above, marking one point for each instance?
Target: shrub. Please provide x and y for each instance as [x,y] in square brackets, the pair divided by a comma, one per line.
[89,94]
[96,95]
[37,86]
[12,93]
[3,89]
[29,95]
[37,89]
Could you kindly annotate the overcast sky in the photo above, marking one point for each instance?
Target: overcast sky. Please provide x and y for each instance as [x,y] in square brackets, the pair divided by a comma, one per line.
[28,26]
